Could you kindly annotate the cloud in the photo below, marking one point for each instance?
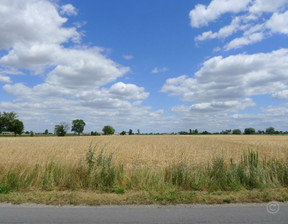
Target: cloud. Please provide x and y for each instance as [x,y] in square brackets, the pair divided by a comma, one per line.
[244,41]
[277,23]
[159,70]
[215,106]
[36,40]
[224,32]
[250,26]
[4,78]
[118,105]
[128,57]
[119,91]
[78,68]
[233,78]
[32,21]
[68,10]
[281,95]
[36,93]
[201,15]
[128,91]
[34,36]
[261,6]
[266,117]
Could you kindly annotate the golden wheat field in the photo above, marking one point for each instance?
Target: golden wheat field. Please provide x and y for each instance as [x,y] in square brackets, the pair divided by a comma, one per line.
[138,151]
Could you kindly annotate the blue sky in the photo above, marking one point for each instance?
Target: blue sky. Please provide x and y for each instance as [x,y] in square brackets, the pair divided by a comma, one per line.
[157,66]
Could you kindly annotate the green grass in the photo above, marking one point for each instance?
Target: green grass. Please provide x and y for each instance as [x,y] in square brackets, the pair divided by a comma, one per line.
[4,189]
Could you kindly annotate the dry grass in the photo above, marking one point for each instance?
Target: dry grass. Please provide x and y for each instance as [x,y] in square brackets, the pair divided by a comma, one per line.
[143,197]
[146,169]
[139,151]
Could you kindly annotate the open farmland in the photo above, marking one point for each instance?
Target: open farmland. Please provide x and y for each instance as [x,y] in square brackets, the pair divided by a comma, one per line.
[150,168]
[134,151]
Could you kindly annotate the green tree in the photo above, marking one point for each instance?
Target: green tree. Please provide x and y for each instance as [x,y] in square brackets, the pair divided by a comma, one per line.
[16,126]
[5,120]
[226,132]
[78,126]
[236,132]
[205,133]
[108,130]
[270,131]
[249,131]
[130,132]
[95,133]
[123,133]
[61,129]
[46,132]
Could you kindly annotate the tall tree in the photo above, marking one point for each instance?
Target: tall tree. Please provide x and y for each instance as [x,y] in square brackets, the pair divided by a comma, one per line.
[249,131]
[270,131]
[16,126]
[61,129]
[5,119]
[78,126]
[236,132]
[108,130]
[123,133]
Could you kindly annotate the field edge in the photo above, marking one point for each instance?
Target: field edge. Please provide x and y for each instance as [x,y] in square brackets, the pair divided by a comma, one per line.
[91,198]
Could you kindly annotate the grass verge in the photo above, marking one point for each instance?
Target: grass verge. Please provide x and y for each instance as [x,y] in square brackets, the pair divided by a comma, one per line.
[143,197]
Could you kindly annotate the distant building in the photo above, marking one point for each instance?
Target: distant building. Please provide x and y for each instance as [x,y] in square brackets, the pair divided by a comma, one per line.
[7,133]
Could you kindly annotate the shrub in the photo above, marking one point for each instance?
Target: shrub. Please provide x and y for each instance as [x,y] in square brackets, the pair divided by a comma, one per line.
[4,189]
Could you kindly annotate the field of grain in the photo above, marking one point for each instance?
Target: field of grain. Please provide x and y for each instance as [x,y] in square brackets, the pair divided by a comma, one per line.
[139,151]
[143,163]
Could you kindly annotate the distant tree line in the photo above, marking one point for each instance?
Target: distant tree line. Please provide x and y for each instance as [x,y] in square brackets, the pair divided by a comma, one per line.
[9,123]
[247,131]
[78,128]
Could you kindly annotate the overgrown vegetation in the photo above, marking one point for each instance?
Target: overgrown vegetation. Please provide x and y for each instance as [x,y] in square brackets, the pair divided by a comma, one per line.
[97,172]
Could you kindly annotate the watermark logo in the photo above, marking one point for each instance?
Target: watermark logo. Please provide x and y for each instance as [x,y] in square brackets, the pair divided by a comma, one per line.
[273,207]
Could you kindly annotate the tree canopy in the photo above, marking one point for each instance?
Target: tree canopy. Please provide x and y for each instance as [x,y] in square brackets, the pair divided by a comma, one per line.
[108,130]
[5,120]
[78,126]
[123,133]
[236,132]
[8,122]
[61,129]
[249,131]
[16,126]
[270,131]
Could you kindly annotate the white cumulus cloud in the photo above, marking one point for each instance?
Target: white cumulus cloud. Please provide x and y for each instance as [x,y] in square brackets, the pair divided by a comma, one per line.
[35,39]
[233,78]
[201,15]
[250,26]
